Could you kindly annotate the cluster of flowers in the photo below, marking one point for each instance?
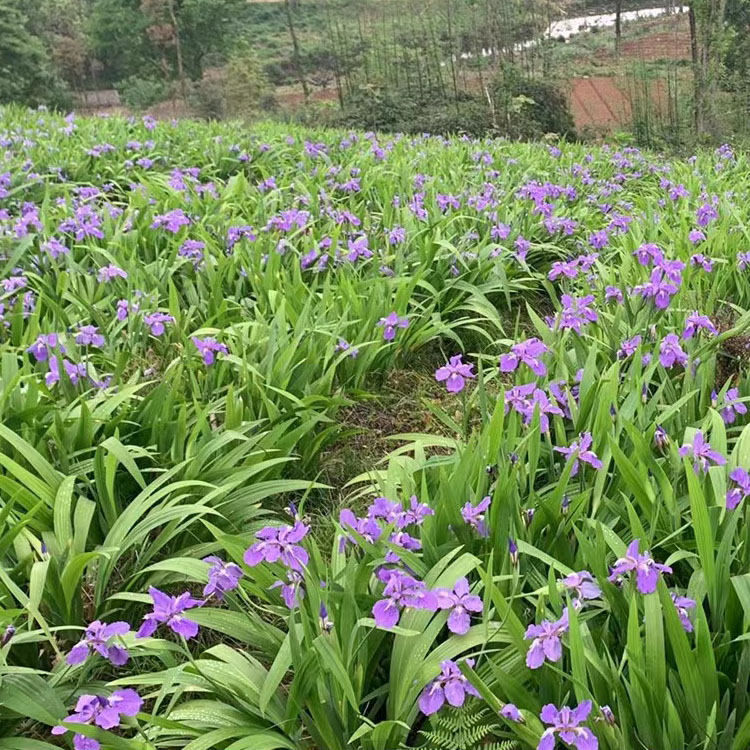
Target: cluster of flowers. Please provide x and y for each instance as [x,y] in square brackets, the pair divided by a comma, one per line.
[402,590]
[107,641]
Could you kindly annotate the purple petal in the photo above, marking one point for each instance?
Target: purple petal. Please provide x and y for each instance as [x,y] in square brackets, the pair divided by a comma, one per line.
[432,699]
[186,628]
[118,655]
[535,655]
[108,718]
[81,742]
[115,628]
[459,622]
[79,653]
[127,702]
[455,693]
[553,649]
[386,613]
[646,580]
[148,627]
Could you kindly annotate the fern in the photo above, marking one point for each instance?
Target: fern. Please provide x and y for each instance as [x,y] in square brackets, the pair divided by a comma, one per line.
[471,727]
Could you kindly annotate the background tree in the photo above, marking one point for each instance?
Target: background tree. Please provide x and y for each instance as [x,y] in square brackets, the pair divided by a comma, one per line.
[26,73]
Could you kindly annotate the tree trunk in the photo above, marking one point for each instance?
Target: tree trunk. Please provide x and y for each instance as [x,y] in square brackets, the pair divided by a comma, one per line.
[295,50]
[178,50]
[697,76]
[618,25]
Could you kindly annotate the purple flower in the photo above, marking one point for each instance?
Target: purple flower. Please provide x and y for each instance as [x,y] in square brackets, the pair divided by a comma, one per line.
[586,262]
[156,322]
[455,374]
[613,293]
[124,308]
[44,342]
[694,322]
[648,253]
[13,284]
[450,685]
[546,642]
[741,489]
[599,239]
[396,236]
[696,235]
[705,214]
[510,711]
[235,234]
[73,371]
[279,543]
[646,569]
[583,585]
[522,246]
[222,577]
[390,323]
[671,353]
[682,604]
[461,602]
[569,269]
[98,637]
[731,405]
[672,269]
[702,454]
[192,250]
[699,259]
[110,273]
[414,514]
[366,527]
[345,346]
[171,221]
[526,399]
[743,260]
[629,347]
[403,540]
[7,636]
[102,712]
[54,248]
[168,609]
[657,288]
[474,515]
[513,551]
[576,313]
[401,590]
[566,722]
[88,336]
[580,450]
[661,438]
[291,591]
[209,348]
[528,352]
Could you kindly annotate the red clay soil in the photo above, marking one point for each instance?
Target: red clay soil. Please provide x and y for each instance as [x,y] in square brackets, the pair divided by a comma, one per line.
[669,45]
[291,97]
[597,102]
[604,104]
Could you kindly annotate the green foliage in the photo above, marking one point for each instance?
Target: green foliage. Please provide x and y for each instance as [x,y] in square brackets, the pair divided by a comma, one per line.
[516,107]
[531,108]
[126,469]
[25,69]
[471,727]
[140,93]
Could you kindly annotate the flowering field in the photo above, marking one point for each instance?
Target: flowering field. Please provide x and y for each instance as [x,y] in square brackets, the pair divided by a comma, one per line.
[558,559]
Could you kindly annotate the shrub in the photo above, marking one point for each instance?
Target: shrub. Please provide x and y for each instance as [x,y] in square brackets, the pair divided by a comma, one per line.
[141,93]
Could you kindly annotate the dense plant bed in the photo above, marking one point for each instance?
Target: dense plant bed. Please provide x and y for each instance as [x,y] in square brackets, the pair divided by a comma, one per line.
[200,547]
